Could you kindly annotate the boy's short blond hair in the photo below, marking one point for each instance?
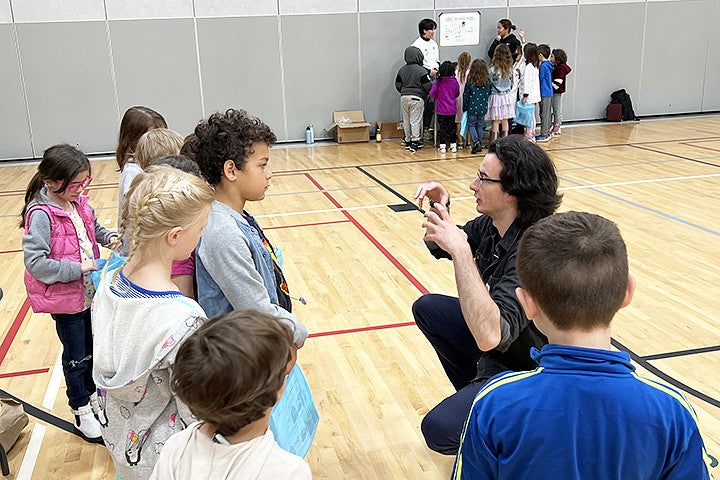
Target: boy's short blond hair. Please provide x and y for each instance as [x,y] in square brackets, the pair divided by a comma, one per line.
[157,143]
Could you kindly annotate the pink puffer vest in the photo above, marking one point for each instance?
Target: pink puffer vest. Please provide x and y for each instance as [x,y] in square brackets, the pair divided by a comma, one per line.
[64,244]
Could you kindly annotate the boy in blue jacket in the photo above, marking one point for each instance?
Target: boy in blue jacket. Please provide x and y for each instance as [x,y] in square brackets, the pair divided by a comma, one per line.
[546,92]
[584,413]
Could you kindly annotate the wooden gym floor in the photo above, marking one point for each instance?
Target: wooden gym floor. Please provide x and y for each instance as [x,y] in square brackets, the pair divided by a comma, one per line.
[360,265]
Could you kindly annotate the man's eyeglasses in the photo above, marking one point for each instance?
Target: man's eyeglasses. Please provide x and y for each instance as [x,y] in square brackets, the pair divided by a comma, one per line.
[78,186]
[483,179]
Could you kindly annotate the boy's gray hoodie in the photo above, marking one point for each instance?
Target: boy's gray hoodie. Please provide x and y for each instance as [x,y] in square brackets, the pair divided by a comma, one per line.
[412,79]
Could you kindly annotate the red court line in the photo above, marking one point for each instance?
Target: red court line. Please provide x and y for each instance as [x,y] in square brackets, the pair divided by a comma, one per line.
[372,239]
[302,225]
[14,328]
[10,251]
[361,329]
[691,144]
[24,372]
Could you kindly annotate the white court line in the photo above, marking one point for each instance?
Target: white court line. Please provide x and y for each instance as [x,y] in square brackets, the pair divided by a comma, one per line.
[33,449]
[635,182]
[469,197]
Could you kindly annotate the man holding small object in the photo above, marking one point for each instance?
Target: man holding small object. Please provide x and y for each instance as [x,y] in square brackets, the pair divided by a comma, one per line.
[484,331]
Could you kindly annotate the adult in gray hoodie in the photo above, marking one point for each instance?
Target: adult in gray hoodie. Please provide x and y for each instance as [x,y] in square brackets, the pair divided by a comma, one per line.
[413,83]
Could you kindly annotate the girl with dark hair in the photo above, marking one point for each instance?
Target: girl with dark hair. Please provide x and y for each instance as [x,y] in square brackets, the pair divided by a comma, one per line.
[445,90]
[530,92]
[60,248]
[506,37]
[559,74]
[462,69]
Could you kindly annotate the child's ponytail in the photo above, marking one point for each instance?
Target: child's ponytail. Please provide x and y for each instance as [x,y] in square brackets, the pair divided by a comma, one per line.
[60,163]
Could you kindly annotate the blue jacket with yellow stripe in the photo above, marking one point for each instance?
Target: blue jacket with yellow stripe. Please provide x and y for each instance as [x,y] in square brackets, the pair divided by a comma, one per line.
[582,414]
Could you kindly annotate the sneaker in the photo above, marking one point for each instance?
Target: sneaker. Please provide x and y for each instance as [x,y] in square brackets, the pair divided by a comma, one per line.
[404,143]
[476,148]
[453,147]
[556,129]
[442,148]
[530,138]
[542,138]
[412,148]
[86,425]
[419,144]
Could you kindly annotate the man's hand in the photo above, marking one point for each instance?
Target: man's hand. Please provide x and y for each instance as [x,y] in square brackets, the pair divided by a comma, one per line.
[433,191]
[440,228]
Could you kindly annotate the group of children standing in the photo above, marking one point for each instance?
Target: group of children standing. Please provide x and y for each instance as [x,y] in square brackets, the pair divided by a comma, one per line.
[123,340]
[484,93]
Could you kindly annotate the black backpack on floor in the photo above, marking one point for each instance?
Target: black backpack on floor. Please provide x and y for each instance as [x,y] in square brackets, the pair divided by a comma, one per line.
[623,98]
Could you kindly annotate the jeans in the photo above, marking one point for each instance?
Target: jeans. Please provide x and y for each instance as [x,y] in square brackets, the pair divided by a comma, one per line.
[475,125]
[75,333]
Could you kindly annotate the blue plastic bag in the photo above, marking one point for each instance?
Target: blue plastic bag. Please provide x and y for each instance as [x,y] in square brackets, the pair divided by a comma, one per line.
[524,113]
[115,261]
[294,419]
[463,124]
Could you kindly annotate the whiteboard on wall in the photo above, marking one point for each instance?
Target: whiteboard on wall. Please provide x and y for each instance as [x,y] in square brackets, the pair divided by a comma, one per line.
[459,28]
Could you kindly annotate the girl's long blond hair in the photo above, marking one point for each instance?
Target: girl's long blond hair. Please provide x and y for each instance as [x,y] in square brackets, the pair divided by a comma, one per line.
[160,199]
[463,64]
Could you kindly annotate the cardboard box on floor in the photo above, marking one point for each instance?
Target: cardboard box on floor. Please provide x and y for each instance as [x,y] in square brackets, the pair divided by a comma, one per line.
[391,129]
[356,131]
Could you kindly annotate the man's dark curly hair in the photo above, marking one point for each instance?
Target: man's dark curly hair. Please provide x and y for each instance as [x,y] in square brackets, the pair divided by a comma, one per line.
[529,175]
[227,136]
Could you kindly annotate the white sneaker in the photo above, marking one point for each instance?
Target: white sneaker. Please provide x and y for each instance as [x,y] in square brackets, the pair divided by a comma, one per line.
[453,147]
[87,425]
[442,148]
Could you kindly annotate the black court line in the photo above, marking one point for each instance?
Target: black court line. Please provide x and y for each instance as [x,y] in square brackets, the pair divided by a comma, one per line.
[664,376]
[681,353]
[406,206]
[33,411]
[639,147]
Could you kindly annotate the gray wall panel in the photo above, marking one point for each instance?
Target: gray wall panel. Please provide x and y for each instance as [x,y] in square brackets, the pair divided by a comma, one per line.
[54,11]
[156,66]
[68,84]
[14,128]
[711,92]
[240,77]
[320,54]
[138,9]
[5,12]
[554,26]
[671,72]
[608,56]
[382,56]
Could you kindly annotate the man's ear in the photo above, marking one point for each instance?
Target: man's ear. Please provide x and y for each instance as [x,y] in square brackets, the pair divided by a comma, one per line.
[172,236]
[632,283]
[230,170]
[528,303]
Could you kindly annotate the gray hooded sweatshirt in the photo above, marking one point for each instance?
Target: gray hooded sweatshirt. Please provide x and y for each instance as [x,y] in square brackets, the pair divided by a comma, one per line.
[412,79]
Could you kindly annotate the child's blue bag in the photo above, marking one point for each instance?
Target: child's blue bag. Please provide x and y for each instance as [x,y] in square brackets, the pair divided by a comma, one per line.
[115,261]
[463,124]
[524,113]
[294,419]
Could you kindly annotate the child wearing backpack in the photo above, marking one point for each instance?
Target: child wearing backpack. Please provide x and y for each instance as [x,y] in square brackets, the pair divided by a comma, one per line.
[413,84]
